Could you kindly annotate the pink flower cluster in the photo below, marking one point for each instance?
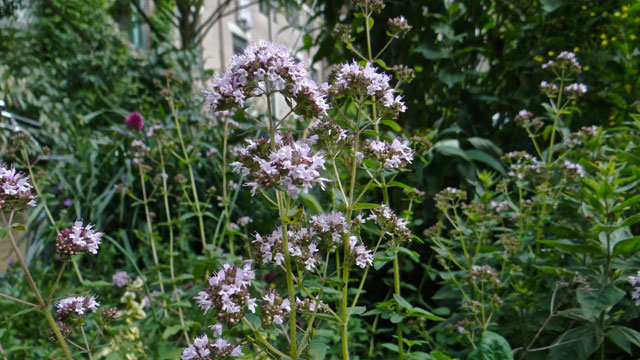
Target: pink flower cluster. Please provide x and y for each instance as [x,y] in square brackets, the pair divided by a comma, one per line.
[228,292]
[522,165]
[329,134]
[353,80]
[205,349]
[290,165]
[565,60]
[275,310]
[331,228]
[264,68]
[394,155]
[302,248]
[15,190]
[74,308]
[77,238]
[390,223]
[363,257]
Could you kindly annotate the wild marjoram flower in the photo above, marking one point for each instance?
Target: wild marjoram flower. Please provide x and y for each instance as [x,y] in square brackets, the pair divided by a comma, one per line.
[289,165]
[353,80]
[205,349]
[248,73]
[15,190]
[77,238]
[73,308]
[227,293]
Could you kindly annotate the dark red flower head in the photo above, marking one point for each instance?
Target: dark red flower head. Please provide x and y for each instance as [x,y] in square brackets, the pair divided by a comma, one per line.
[134,121]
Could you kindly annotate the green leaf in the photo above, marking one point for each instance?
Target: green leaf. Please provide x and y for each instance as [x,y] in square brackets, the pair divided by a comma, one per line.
[4,232]
[627,246]
[170,331]
[318,350]
[366,206]
[572,247]
[450,78]
[431,53]
[596,300]
[631,220]
[627,203]
[392,124]
[357,310]
[479,155]
[419,312]
[577,343]
[492,347]
[311,202]
[622,336]
[18,227]
[402,302]
[551,5]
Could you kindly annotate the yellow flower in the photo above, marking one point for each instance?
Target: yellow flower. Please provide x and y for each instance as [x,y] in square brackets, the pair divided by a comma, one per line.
[550,53]
[603,36]
[632,37]
[584,7]
[614,38]
[511,6]
[573,102]
[624,16]
[625,8]
[576,49]
[592,13]
[586,68]
[627,88]
[616,14]
[538,58]
[604,42]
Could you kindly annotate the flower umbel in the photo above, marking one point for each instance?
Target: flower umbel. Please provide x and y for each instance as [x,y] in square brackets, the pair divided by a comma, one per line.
[228,292]
[77,238]
[74,308]
[15,190]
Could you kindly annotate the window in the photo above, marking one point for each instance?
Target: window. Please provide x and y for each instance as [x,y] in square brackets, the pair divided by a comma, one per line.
[239,43]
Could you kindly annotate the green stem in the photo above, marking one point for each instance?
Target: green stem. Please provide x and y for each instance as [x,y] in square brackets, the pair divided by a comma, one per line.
[145,202]
[86,343]
[191,178]
[34,288]
[165,196]
[556,117]
[46,208]
[396,288]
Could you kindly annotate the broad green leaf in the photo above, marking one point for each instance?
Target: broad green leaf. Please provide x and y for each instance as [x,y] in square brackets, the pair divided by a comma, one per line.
[576,343]
[623,336]
[492,346]
[392,124]
[627,246]
[4,232]
[170,331]
[594,301]
[570,246]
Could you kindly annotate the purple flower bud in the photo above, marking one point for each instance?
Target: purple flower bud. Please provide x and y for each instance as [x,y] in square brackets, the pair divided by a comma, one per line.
[68,202]
[134,121]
